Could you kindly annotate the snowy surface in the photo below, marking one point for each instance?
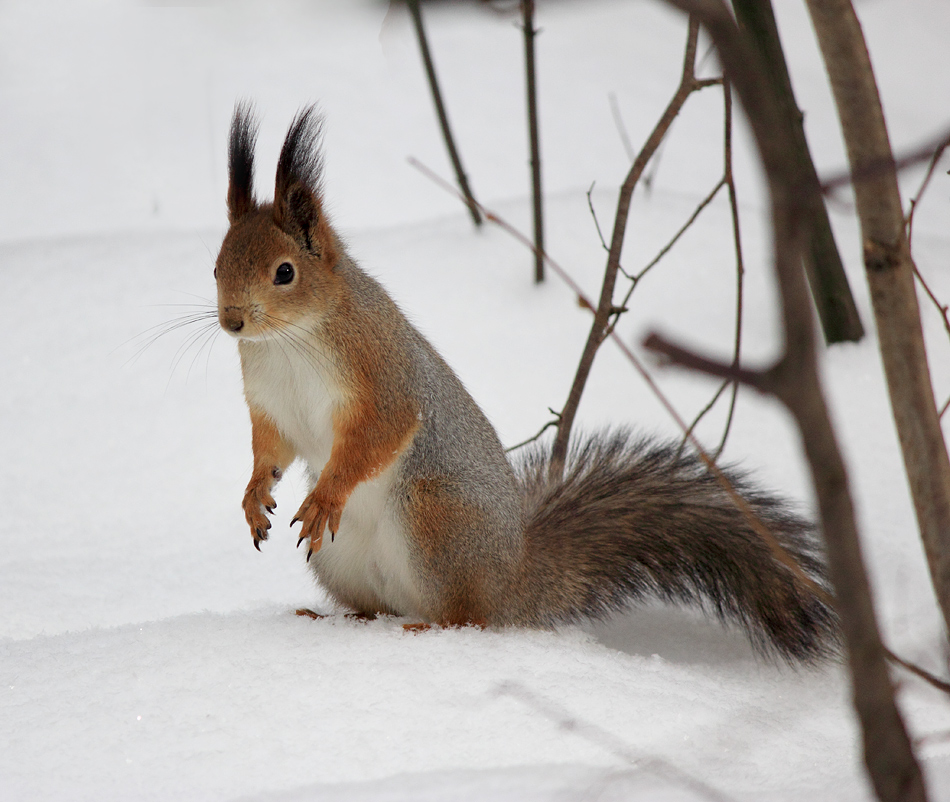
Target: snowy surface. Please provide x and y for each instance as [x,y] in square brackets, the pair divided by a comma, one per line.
[148,652]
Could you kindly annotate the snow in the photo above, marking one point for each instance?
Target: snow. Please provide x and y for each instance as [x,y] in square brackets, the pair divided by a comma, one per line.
[147,651]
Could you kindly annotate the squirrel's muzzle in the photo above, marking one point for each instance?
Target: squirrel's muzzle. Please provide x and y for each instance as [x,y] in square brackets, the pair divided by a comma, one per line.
[231,319]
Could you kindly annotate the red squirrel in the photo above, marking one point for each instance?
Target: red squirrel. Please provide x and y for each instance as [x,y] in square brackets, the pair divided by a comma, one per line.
[428,518]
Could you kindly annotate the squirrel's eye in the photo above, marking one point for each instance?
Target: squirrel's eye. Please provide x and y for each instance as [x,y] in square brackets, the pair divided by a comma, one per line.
[215,274]
[284,274]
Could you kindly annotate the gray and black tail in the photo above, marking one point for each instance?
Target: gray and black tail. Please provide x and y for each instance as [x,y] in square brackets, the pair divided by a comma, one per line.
[633,519]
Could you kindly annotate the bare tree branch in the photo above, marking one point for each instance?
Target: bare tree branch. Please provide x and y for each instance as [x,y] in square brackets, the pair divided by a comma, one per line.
[460,176]
[730,181]
[554,422]
[794,380]
[877,167]
[702,414]
[673,354]
[593,214]
[889,268]
[943,309]
[926,676]
[600,328]
[537,200]
[827,280]
[934,160]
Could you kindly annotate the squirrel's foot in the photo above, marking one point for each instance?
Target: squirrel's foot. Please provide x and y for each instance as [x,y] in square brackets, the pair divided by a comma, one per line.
[316,514]
[422,626]
[361,617]
[304,612]
[257,500]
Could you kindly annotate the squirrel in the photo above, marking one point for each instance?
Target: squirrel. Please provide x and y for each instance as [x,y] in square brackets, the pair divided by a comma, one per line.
[428,518]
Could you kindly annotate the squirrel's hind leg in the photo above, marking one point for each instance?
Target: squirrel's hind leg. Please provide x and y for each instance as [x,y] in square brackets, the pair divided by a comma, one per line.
[453,555]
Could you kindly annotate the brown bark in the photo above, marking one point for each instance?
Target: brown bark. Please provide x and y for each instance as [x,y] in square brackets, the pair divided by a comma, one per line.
[531,83]
[890,272]
[830,290]
[443,116]
[889,758]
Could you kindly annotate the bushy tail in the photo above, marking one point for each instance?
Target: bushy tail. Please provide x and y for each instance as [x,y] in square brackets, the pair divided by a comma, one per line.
[633,519]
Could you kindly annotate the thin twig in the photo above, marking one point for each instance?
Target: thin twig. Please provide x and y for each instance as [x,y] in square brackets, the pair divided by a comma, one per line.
[636,277]
[621,128]
[737,242]
[590,205]
[728,181]
[537,200]
[702,414]
[462,179]
[682,230]
[542,430]
[942,308]
[932,679]
[909,220]
[909,228]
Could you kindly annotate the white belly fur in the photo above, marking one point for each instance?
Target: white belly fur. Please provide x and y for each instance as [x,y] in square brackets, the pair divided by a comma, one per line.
[367,565]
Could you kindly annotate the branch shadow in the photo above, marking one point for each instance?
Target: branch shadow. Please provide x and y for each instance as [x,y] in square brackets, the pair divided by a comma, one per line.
[676,634]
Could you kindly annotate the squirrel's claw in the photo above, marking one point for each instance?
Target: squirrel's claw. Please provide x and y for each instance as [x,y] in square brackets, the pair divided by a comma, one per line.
[316,515]
[257,500]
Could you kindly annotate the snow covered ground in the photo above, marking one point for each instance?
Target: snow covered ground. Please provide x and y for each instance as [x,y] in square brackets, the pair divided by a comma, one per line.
[147,651]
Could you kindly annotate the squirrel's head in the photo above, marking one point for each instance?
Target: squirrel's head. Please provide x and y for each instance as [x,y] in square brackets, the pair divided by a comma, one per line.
[276,267]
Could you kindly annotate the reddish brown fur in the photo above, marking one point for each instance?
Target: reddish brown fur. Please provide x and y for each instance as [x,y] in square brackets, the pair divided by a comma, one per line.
[435,512]
[254,249]
[366,441]
[272,455]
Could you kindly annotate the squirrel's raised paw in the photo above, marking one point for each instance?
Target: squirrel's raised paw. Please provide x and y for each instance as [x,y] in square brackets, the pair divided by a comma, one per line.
[316,514]
[257,499]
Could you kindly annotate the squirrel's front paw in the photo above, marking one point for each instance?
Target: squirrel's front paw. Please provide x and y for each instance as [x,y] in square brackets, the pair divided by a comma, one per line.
[317,513]
[257,499]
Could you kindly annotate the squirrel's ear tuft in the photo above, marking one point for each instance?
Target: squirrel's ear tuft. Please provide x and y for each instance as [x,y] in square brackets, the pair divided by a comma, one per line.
[241,161]
[297,208]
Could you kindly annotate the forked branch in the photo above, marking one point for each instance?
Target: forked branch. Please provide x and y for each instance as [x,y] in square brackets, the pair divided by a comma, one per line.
[889,758]
[600,327]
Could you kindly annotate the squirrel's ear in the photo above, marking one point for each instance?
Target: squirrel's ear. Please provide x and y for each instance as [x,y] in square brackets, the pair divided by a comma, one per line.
[297,213]
[241,161]
[297,208]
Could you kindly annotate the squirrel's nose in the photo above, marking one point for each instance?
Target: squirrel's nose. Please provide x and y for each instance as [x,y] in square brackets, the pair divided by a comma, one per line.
[231,320]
